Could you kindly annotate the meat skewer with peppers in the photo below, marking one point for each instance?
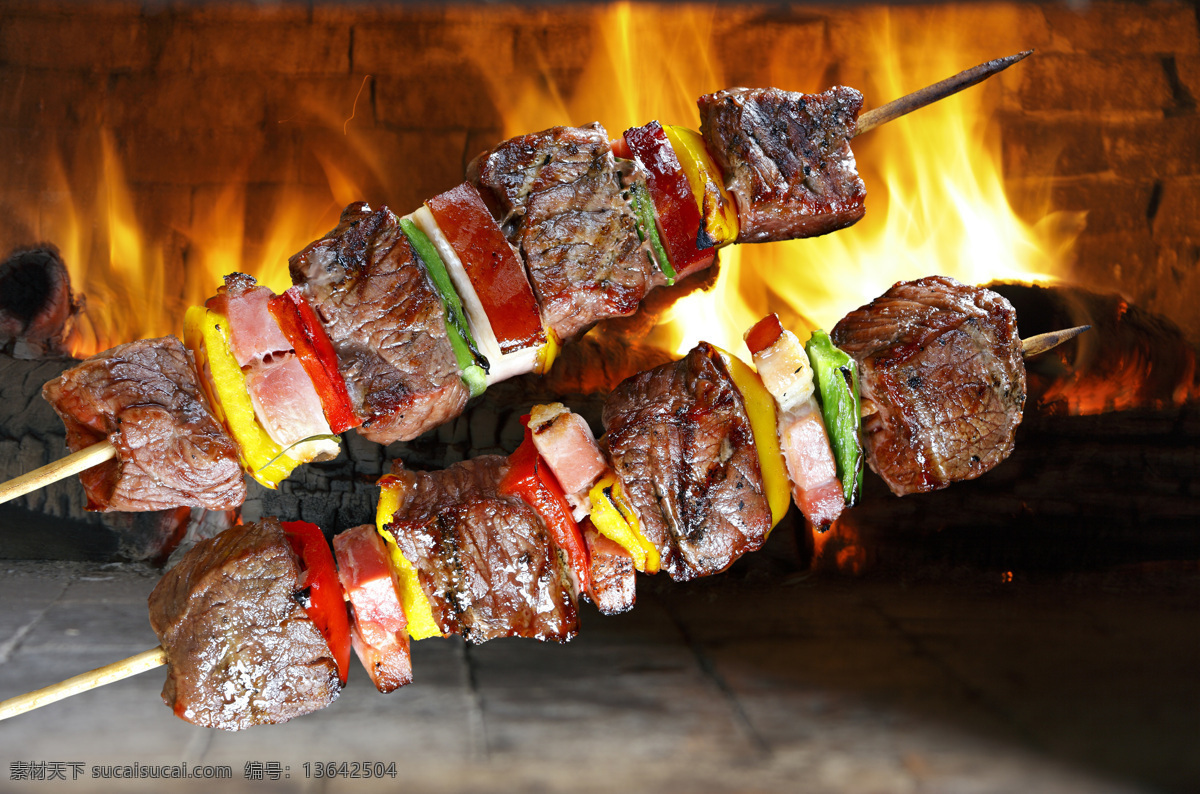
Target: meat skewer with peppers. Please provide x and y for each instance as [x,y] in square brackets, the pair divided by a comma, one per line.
[393,323]
[696,465]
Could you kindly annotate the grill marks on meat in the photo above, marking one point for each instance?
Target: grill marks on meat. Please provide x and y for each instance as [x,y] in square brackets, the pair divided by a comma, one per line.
[485,561]
[386,322]
[786,158]
[144,397]
[557,195]
[680,441]
[942,362]
[241,649]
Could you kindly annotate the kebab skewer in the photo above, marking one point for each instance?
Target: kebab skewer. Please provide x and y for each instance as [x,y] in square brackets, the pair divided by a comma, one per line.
[395,322]
[489,548]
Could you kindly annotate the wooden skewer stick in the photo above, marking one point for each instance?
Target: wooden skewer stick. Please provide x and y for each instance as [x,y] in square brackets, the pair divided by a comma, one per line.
[60,469]
[1036,345]
[146,660]
[930,94]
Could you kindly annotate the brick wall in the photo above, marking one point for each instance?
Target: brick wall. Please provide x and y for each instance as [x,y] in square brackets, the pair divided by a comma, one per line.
[393,101]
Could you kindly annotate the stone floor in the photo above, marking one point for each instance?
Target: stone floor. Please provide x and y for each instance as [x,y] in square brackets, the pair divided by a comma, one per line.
[760,680]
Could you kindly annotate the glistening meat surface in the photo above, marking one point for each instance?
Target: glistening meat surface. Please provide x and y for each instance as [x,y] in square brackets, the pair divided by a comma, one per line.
[557,195]
[241,649]
[485,561]
[680,441]
[386,323]
[145,399]
[786,158]
[941,361]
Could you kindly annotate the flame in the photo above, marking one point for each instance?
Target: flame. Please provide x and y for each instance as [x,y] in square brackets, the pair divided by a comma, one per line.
[841,548]
[137,286]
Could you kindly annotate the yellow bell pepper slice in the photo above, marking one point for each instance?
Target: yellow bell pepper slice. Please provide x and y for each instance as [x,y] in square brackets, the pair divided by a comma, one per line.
[717,206]
[615,519]
[760,408]
[206,333]
[417,610]
[547,353]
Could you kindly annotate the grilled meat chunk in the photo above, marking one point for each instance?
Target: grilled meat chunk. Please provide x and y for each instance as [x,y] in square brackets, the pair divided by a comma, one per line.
[285,401]
[144,397]
[378,626]
[485,561]
[386,322]
[786,158]
[941,361]
[241,649]
[680,441]
[614,578]
[557,195]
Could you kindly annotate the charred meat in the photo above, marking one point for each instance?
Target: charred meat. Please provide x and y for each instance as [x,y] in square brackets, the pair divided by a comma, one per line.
[613,576]
[144,398]
[485,561]
[241,648]
[558,197]
[680,441]
[941,362]
[386,323]
[786,158]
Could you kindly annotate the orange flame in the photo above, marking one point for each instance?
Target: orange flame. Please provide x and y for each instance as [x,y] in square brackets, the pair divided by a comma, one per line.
[130,280]
[840,548]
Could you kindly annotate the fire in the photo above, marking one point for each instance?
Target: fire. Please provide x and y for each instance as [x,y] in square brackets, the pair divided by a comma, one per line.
[131,280]
[841,548]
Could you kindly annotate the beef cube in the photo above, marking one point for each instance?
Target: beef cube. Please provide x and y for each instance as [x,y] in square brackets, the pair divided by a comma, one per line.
[241,649]
[386,322]
[680,442]
[786,157]
[145,399]
[484,560]
[559,197]
[941,364]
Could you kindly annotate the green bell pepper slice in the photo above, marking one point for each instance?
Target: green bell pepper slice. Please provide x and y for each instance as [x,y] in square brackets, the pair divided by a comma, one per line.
[471,364]
[643,210]
[836,377]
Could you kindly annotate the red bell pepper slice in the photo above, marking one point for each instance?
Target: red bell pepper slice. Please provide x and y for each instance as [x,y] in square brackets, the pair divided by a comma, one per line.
[529,478]
[492,266]
[326,605]
[678,214]
[620,149]
[764,333]
[307,336]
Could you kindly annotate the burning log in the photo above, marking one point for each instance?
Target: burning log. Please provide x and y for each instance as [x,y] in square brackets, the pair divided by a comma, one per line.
[37,306]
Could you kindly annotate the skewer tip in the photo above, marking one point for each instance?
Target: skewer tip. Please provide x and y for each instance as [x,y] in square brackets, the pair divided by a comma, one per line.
[933,93]
[1036,345]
